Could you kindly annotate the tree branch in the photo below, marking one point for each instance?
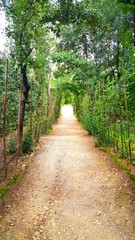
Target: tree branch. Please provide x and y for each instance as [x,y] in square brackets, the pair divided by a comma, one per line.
[26,55]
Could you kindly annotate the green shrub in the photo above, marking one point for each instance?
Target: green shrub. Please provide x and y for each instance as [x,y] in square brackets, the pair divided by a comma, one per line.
[12,146]
[27,145]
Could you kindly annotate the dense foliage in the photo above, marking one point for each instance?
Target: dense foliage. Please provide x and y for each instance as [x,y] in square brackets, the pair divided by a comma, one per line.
[102,62]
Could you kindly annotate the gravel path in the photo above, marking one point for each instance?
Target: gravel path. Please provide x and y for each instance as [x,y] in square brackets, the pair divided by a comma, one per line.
[72,190]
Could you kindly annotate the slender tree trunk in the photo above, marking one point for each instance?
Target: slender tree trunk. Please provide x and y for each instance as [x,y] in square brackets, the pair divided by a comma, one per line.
[128,121]
[121,123]
[108,125]
[104,111]
[47,117]
[134,26]
[25,87]
[100,120]
[31,113]
[115,147]
[58,105]
[94,97]
[77,105]
[85,45]
[120,93]
[48,95]
[4,118]
[36,116]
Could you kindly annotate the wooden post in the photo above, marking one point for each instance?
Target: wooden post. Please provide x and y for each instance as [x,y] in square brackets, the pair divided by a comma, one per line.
[4,118]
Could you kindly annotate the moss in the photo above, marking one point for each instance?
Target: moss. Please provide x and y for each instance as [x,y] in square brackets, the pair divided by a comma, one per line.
[119,163]
[5,189]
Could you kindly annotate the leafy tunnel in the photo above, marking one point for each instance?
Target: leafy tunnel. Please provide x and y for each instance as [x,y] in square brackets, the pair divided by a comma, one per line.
[65,51]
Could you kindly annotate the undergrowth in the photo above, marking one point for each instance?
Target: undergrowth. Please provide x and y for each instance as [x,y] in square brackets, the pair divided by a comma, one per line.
[119,163]
[6,188]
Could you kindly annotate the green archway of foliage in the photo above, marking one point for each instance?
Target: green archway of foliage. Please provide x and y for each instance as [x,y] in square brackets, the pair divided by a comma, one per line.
[81,50]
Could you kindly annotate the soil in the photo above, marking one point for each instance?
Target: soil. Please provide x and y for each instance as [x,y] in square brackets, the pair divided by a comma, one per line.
[72,190]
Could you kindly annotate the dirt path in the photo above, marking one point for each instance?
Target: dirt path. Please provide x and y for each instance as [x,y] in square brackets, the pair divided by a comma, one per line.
[71,191]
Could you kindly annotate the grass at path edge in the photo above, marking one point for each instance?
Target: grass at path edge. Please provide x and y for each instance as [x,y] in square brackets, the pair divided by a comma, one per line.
[4,190]
[119,163]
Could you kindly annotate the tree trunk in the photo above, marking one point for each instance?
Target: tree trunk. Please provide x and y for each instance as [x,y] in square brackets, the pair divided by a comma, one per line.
[25,87]
[47,117]
[31,112]
[100,120]
[85,45]
[4,119]
[48,95]
[104,110]
[120,96]
[134,27]
[36,117]
[128,121]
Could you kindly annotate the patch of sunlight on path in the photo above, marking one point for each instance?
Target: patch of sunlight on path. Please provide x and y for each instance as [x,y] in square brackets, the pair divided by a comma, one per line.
[67,111]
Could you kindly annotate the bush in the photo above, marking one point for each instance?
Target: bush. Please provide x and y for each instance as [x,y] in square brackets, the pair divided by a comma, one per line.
[27,145]
[12,146]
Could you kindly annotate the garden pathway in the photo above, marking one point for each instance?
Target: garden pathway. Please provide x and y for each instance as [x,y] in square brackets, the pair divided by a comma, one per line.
[72,190]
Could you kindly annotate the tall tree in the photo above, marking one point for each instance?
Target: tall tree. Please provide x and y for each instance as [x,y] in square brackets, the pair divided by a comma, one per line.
[24,18]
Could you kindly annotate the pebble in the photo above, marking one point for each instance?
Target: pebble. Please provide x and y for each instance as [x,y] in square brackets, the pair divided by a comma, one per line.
[7,206]
[98,213]
[11,224]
